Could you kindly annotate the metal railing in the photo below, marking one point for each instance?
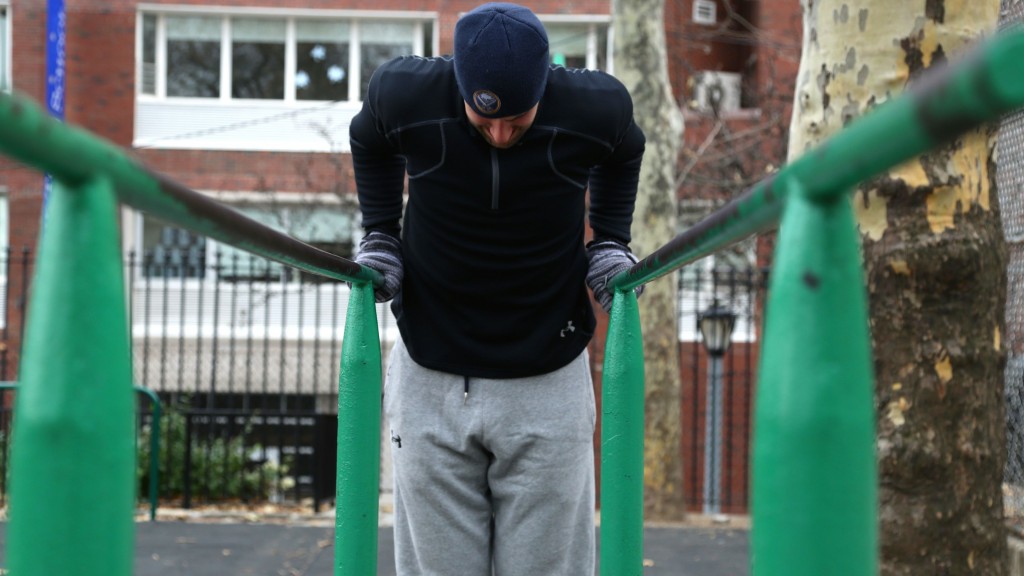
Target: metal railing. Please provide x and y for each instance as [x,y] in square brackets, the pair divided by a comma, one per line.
[814,493]
[76,378]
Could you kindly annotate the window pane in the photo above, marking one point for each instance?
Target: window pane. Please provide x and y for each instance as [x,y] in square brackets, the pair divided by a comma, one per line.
[4,256]
[171,252]
[428,39]
[380,42]
[3,48]
[567,39]
[328,227]
[396,33]
[371,56]
[257,58]
[321,61]
[3,225]
[147,76]
[569,43]
[193,56]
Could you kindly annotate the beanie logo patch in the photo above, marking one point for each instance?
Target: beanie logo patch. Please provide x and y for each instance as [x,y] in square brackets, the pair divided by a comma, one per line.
[486,102]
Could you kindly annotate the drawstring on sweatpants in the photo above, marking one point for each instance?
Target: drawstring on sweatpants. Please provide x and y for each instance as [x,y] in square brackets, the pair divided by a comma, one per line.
[465,390]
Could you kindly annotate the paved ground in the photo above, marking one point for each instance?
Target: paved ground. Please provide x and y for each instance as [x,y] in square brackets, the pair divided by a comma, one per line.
[179,548]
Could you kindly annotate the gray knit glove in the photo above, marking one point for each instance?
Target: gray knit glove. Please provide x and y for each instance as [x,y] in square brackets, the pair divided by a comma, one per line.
[607,258]
[382,253]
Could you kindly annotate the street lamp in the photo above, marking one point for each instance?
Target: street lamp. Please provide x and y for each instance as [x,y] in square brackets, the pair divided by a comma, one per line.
[716,325]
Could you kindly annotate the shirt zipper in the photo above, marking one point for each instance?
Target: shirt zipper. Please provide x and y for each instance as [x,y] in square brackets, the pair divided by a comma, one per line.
[494,178]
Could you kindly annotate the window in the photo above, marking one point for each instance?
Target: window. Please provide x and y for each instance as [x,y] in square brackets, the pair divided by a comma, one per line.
[186,286]
[169,252]
[5,255]
[705,12]
[321,60]
[325,226]
[193,56]
[271,57]
[257,58]
[147,71]
[382,42]
[576,45]
[5,57]
[4,237]
[267,79]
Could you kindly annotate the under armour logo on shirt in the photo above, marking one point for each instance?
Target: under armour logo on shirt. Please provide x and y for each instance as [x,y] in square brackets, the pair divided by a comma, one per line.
[396,439]
[568,328]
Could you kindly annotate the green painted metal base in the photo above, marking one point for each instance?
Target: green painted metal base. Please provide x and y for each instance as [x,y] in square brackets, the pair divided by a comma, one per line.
[73,492]
[359,405]
[622,441]
[814,502]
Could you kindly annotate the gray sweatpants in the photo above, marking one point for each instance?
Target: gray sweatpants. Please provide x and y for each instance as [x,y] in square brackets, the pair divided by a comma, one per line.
[501,479]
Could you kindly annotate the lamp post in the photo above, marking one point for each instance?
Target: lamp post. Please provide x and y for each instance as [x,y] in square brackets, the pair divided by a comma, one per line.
[716,325]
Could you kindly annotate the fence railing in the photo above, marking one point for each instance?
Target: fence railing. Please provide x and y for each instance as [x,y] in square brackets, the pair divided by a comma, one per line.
[248,376]
[814,473]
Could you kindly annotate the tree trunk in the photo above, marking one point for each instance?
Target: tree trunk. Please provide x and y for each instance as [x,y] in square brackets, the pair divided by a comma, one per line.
[641,64]
[935,262]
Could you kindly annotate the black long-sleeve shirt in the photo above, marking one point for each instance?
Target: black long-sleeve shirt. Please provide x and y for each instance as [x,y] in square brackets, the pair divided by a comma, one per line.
[493,239]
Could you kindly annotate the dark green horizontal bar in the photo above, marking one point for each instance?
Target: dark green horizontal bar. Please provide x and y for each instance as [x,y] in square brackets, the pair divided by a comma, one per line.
[946,103]
[73,155]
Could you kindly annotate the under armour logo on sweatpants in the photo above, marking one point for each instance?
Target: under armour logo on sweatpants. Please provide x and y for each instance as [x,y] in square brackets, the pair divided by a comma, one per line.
[568,327]
[396,439]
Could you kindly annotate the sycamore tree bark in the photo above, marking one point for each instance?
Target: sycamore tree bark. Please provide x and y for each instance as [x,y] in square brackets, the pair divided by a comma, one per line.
[935,263]
[642,65]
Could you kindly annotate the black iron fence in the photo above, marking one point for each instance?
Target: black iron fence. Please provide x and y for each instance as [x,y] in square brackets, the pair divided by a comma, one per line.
[244,356]
[718,389]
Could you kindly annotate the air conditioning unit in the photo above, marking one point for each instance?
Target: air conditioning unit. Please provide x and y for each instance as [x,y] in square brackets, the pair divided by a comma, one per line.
[705,12]
[717,91]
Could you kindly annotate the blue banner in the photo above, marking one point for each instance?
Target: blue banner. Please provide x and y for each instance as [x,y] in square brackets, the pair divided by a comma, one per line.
[56,21]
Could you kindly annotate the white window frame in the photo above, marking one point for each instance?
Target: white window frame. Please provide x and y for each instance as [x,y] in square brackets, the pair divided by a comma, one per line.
[705,12]
[354,17]
[6,59]
[592,23]
[278,125]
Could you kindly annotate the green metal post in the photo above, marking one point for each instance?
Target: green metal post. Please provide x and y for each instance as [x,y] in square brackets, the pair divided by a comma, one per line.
[154,450]
[359,390]
[73,481]
[622,441]
[814,502]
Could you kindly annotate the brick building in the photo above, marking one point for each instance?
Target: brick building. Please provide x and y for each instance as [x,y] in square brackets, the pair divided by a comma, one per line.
[249,101]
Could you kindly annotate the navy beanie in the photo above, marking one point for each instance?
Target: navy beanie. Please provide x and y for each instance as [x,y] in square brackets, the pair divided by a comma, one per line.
[501,59]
